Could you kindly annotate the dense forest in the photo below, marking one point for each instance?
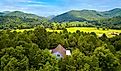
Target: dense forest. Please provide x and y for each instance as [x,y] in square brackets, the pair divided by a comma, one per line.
[29,51]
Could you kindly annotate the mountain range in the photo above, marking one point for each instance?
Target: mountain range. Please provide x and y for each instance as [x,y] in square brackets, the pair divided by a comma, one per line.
[82,15]
[73,15]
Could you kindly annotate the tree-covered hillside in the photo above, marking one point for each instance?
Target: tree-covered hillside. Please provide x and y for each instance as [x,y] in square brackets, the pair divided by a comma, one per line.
[76,15]
[113,23]
[108,19]
[14,22]
[112,13]
[20,14]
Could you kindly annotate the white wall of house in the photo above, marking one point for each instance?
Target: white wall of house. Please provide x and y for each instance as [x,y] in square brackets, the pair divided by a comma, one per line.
[58,55]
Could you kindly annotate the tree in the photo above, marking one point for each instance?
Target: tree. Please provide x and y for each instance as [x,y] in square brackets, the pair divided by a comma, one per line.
[88,43]
[40,58]
[117,45]
[41,38]
[54,39]
[14,59]
[103,37]
[93,33]
[65,30]
[107,60]
[78,62]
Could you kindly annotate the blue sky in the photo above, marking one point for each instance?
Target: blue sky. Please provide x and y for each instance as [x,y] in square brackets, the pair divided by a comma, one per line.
[55,7]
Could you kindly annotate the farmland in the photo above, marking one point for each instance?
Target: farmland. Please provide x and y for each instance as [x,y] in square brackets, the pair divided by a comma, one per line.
[99,32]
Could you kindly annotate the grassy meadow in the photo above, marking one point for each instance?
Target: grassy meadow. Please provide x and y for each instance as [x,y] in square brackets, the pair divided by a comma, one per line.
[99,32]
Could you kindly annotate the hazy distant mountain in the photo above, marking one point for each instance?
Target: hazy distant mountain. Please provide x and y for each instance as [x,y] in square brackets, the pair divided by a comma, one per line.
[50,17]
[86,14]
[1,14]
[6,12]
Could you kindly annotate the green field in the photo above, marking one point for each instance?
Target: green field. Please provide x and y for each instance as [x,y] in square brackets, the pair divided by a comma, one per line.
[84,29]
[89,30]
[22,30]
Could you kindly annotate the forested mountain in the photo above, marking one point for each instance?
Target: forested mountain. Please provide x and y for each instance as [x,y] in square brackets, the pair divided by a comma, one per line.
[20,23]
[112,13]
[69,16]
[20,14]
[75,15]
[20,20]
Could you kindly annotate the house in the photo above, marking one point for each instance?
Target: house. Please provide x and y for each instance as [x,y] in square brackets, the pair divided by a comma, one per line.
[60,52]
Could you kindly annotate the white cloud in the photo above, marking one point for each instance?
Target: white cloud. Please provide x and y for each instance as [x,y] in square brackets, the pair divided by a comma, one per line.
[36,2]
[12,8]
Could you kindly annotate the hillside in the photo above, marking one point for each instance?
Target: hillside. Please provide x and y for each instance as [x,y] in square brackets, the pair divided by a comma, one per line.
[75,15]
[19,22]
[68,16]
[112,13]
[20,14]
[113,20]
[2,14]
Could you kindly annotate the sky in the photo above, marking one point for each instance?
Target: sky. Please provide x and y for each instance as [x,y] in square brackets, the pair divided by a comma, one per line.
[55,7]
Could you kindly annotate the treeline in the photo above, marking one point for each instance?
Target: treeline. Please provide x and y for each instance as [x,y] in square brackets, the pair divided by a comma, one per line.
[29,51]
[63,25]
[111,23]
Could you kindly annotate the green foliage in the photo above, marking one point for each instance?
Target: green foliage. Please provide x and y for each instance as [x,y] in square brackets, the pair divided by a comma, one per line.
[41,38]
[29,51]
[107,60]
[14,59]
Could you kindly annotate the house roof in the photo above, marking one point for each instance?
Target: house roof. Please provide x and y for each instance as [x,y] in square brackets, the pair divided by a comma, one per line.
[60,49]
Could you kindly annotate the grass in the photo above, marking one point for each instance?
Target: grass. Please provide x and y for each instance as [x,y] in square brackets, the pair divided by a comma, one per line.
[50,30]
[22,30]
[99,32]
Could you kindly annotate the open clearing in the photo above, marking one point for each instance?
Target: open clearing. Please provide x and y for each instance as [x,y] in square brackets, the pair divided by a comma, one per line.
[99,32]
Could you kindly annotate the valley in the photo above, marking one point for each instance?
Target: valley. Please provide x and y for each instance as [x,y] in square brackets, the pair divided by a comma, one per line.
[77,40]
